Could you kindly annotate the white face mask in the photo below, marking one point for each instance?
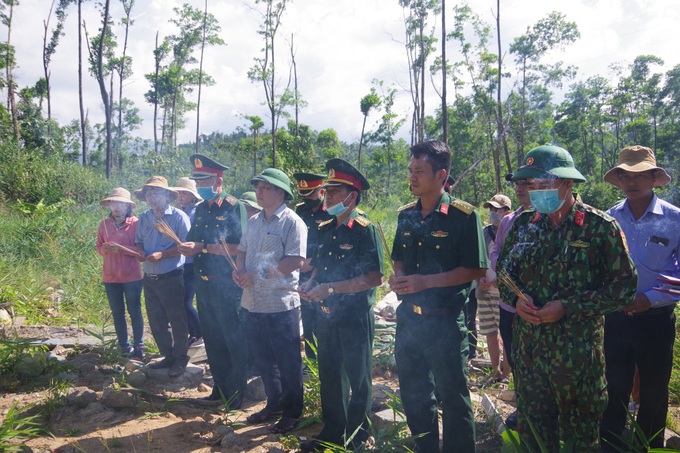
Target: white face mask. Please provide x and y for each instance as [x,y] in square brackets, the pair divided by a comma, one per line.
[495,218]
[338,208]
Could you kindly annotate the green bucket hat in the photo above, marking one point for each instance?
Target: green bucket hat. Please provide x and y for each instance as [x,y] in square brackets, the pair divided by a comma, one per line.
[275,177]
[548,161]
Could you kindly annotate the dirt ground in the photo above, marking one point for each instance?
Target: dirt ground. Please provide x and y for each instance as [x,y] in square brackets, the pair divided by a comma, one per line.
[168,415]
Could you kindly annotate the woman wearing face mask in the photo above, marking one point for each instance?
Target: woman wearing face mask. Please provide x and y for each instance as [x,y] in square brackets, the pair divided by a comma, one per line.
[122,273]
[487,292]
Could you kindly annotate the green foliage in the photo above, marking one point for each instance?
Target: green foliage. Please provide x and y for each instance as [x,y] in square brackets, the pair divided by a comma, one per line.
[18,427]
[312,395]
[12,353]
[598,194]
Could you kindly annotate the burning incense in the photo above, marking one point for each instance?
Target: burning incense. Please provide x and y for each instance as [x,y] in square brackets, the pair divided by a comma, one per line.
[505,279]
[385,247]
[163,228]
[225,248]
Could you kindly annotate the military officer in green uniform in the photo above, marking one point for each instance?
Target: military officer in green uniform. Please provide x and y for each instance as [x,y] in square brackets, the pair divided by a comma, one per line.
[571,264]
[219,217]
[438,250]
[348,266]
[312,210]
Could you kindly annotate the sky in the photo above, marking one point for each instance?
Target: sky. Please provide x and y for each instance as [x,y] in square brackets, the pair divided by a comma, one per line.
[341,47]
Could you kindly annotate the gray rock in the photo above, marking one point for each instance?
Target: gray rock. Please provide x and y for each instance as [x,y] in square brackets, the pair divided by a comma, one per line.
[86,368]
[255,390]
[223,430]
[229,440]
[116,399]
[386,419]
[190,378]
[137,378]
[93,409]
[52,356]
[81,397]
[66,376]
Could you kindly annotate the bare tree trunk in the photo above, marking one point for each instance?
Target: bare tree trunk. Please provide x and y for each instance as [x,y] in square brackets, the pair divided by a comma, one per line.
[295,95]
[46,23]
[155,104]
[421,116]
[102,88]
[499,103]
[83,129]
[10,79]
[361,140]
[445,110]
[121,74]
[273,106]
[200,79]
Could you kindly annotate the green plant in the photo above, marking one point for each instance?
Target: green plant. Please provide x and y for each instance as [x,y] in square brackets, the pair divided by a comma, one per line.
[108,346]
[55,398]
[14,355]
[16,428]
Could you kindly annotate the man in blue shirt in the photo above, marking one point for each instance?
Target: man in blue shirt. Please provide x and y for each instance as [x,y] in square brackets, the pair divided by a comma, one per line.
[642,333]
[163,269]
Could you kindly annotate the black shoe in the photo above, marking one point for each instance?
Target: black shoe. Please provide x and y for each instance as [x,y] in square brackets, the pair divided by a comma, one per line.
[311,445]
[176,370]
[137,353]
[511,421]
[167,362]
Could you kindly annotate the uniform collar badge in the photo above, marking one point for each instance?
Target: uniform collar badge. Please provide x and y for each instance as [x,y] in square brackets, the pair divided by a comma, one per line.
[440,234]
[579,217]
[444,208]
[346,246]
[350,223]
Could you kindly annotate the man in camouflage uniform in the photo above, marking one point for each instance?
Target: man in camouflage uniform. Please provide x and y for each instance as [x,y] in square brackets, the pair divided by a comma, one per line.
[312,211]
[348,266]
[571,264]
[219,216]
[438,250]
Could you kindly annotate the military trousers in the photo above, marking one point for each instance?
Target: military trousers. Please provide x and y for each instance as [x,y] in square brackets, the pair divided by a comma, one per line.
[432,351]
[345,345]
[560,389]
[164,302]
[645,340]
[219,307]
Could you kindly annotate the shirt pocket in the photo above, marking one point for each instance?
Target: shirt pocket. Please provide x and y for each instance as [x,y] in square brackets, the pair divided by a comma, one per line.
[654,255]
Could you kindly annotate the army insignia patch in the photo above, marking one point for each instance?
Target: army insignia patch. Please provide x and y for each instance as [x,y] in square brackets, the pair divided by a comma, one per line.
[302,184]
[625,242]
[536,218]
[530,161]
[580,244]
[579,217]
[444,209]
[350,223]
[440,234]
[220,218]
[331,174]
[198,163]
[346,246]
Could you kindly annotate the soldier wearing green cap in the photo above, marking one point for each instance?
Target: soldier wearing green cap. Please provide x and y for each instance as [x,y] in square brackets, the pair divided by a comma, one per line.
[249,199]
[270,255]
[219,217]
[438,251]
[313,211]
[571,264]
[348,266]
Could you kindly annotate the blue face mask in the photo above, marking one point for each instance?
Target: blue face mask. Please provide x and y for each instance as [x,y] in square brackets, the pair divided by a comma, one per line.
[339,208]
[207,193]
[546,201]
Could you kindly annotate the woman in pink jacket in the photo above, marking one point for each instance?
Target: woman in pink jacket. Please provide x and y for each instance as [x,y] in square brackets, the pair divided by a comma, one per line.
[122,274]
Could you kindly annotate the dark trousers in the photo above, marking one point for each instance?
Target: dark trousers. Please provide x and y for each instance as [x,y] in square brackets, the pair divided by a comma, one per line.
[164,301]
[433,350]
[121,295]
[471,323]
[505,328]
[219,307]
[193,323]
[344,355]
[645,340]
[275,340]
[309,325]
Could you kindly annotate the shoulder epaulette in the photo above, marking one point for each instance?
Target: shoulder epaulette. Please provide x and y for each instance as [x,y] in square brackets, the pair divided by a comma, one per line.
[461,205]
[363,221]
[231,200]
[361,212]
[302,203]
[325,223]
[407,206]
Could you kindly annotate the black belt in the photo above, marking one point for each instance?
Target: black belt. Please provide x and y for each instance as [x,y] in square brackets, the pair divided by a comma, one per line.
[666,310]
[430,311]
[164,276]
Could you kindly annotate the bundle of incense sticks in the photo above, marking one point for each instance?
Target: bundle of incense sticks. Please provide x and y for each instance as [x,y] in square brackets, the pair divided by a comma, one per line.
[385,247]
[163,228]
[225,248]
[505,279]
[125,249]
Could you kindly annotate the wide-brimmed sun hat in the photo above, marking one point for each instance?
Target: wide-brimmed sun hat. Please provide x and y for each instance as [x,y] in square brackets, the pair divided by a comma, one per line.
[155,181]
[118,194]
[637,159]
[185,184]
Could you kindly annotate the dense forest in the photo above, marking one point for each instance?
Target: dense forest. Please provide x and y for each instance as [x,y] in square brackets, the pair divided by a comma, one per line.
[489,130]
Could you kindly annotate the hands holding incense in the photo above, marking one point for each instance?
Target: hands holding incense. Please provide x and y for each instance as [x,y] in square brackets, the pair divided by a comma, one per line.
[551,312]
[112,247]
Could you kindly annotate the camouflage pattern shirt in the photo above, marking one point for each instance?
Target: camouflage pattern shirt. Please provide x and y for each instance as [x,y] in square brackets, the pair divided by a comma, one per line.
[584,263]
